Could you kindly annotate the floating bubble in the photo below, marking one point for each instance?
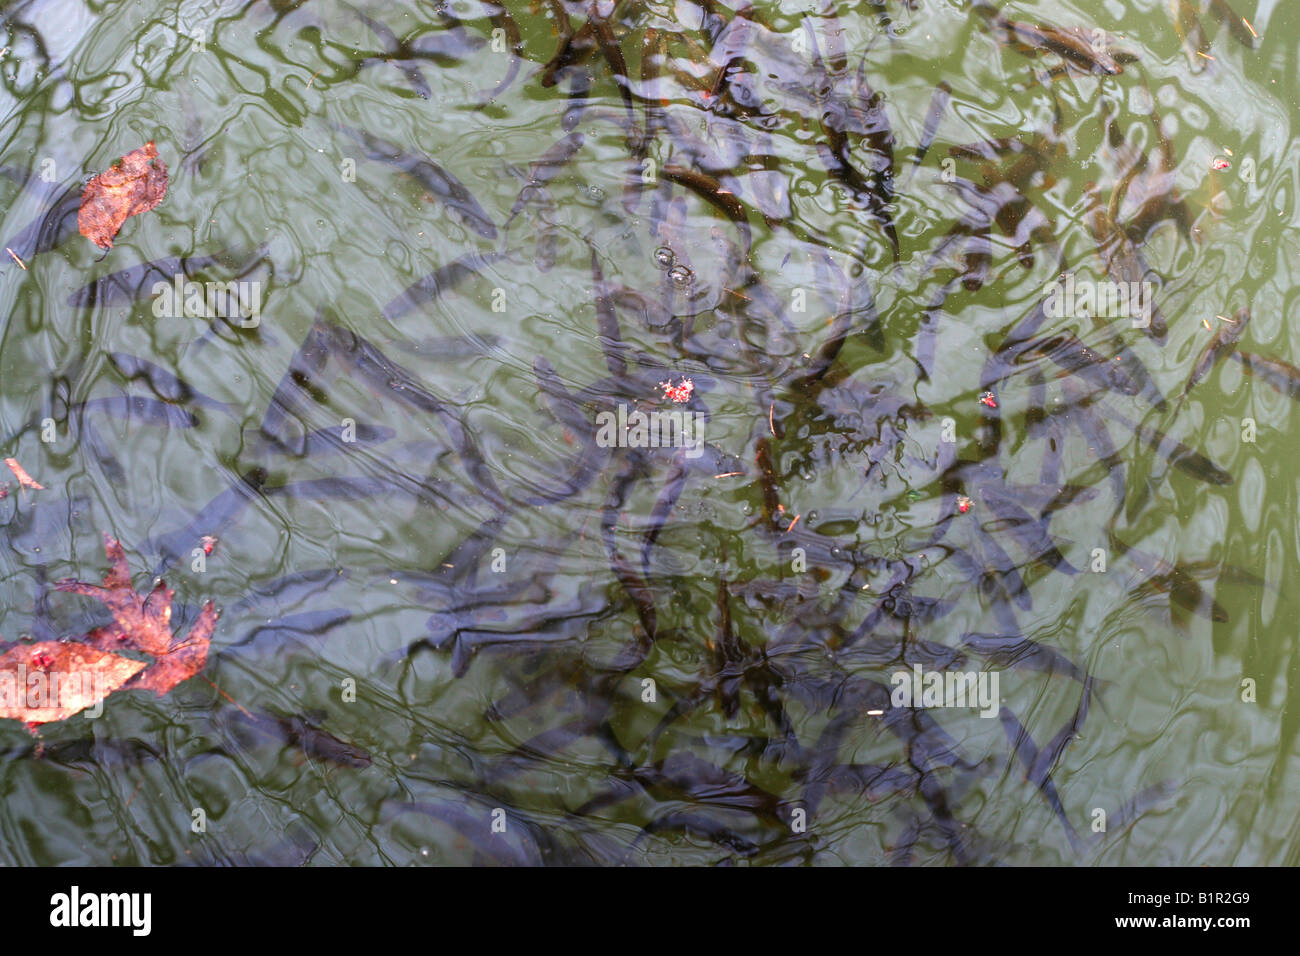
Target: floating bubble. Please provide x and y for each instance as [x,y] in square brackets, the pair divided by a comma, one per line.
[681,275]
[664,257]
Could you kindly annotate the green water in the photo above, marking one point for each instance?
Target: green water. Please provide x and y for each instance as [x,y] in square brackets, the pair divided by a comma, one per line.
[245,103]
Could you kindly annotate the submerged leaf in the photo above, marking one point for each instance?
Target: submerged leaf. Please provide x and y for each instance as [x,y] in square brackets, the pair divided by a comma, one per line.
[52,680]
[142,622]
[24,479]
[134,184]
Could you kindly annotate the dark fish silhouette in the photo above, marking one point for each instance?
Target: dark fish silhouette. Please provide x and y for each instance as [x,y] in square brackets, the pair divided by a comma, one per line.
[1172,579]
[1236,24]
[1181,456]
[938,106]
[1219,345]
[1073,44]
[441,280]
[1281,376]
[1037,771]
[137,282]
[298,732]
[1020,652]
[163,383]
[50,229]
[433,177]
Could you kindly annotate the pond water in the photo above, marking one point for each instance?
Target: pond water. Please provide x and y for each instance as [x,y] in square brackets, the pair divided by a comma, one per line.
[459,627]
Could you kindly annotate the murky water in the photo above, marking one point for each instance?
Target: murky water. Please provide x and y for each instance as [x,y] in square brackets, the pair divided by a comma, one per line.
[473,618]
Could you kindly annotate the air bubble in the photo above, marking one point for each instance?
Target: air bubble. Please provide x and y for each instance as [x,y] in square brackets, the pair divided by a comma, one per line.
[664,257]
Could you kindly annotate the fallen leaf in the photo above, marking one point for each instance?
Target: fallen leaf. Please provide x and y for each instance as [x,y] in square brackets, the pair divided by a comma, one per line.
[142,622]
[52,680]
[24,479]
[185,659]
[134,184]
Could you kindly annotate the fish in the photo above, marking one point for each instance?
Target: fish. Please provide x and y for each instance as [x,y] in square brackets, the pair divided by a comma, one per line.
[288,589]
[137,408]
[1172,579]
[1068,493]
[547,166]
[1017,651]
[1237,25]
[443,279]
[933,115]
[634,584]
[510,618]
[1281,376]
[654,57]
[564,406]
[728,52]
[466,824]
[1027,531]
[453,193]
[834,155]
[1089,424]
[1140,803]
[574,47]
[1182,457]
[1066,350]
[302,734]
[218,513]
[337,437]
[607,327]
[163,383]
[446,49]
[136,283]
[869,780]
[728,655]
[613,55]
[1027,752]
[866,116]
[1121,258]
[1051,754]
[1188,27]
[292,627]
[52,227]
[703,827]
[455,347]
[499,16]
[1073,44]
[879,651]
[1218,346]
[713,192]
[307,361]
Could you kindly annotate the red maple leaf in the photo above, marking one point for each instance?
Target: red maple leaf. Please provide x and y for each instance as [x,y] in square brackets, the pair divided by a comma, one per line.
[142,622]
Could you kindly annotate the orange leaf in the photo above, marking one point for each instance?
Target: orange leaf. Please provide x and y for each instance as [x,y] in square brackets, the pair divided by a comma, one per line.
[134,184]
[142,622]
[24,479]
[52,680]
